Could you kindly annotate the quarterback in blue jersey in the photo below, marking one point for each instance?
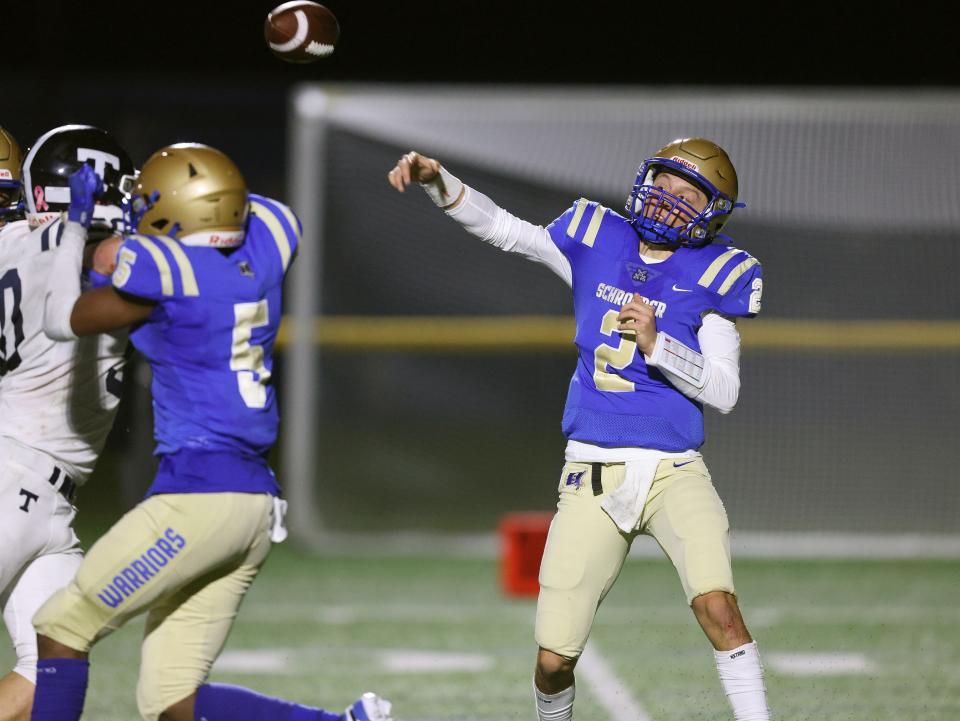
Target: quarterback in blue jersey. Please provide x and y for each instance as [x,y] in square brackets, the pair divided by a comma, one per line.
[656,295]
[199,278]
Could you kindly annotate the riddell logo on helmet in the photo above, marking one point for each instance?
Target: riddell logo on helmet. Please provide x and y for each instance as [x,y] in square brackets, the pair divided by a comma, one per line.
[5,174]
[223,241]
[686,163]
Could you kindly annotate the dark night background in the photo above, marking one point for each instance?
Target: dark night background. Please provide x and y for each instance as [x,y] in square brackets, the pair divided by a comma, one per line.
[159,72]
[497,41]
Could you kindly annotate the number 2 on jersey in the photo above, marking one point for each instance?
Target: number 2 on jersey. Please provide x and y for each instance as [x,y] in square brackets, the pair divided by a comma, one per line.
[247,359]
[618,358]
[757,288]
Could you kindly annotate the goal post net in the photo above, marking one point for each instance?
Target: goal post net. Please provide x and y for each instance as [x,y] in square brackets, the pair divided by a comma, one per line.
[424,372]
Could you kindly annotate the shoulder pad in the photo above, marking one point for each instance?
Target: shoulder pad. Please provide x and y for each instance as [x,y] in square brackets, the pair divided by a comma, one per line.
[585,220]
[16,242]
[154,267]
[284,226]
[736,277]
[725,269]
[49,234]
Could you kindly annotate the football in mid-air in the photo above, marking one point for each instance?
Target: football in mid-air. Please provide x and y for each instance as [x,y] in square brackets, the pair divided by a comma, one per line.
[301,31]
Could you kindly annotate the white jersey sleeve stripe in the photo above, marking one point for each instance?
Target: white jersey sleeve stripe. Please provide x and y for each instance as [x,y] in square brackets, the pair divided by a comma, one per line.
[715,267]
[276,230]
[590,237]
[736,273]
[163,267]
[187,278]
[577,217]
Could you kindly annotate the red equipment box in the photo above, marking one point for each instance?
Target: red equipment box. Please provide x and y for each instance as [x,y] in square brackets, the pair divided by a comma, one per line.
[522,538]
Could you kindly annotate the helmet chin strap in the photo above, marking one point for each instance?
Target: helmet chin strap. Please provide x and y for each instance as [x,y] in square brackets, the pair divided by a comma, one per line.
[657,239]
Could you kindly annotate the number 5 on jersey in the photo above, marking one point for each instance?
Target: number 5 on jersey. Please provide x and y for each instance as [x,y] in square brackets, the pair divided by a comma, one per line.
[247,359]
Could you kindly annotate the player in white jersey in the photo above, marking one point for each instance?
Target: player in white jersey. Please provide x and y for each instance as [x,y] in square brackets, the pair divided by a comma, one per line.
[57,400]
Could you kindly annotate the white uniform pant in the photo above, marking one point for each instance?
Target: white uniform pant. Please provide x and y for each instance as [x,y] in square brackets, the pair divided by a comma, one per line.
[39,551]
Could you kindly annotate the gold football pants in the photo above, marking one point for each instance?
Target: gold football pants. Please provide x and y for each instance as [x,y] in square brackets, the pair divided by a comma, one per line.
[585,550]
[186,559]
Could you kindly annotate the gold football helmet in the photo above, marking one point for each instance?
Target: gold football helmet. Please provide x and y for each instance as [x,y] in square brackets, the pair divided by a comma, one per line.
[701,162]
[193,193]
[11,160]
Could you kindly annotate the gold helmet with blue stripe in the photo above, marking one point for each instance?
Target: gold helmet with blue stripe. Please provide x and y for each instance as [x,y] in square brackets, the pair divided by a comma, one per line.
[193,193]
[702,163]
[11,161]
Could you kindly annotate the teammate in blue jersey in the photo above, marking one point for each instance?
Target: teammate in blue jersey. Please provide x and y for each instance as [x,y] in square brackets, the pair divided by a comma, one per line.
[199,279]
[656,295]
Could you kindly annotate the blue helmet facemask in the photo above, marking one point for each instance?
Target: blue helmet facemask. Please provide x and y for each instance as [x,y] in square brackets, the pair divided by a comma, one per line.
[693,230]
[11,189]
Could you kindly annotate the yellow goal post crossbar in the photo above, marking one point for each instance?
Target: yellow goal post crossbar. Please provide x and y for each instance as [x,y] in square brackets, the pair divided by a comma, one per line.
[551,333]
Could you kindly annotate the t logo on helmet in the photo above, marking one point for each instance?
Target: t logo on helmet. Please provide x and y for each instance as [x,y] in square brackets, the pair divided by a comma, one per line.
[56,154]
[100,159]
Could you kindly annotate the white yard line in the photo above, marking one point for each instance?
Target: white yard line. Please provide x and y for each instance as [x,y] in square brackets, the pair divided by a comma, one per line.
[265,660]
[610,692]
[394,660]
[418,661]
[819,664]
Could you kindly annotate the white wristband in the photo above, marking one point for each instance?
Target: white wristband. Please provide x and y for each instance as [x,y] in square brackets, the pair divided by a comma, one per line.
[445,189]
[671,355]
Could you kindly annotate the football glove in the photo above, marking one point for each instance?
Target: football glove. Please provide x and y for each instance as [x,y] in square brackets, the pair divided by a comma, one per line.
[85,187]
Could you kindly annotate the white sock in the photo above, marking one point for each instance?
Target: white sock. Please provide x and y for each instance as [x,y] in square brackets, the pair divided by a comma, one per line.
[742,677]
[555,706]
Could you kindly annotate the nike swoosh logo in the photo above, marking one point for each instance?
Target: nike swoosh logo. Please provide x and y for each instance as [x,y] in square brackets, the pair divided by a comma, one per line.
[682,290]
[685,463]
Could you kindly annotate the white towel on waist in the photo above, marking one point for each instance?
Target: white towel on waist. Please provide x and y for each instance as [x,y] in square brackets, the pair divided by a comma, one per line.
[625,504]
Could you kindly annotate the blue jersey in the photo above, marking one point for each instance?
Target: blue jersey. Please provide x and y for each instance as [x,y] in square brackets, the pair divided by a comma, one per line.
[615,399]
[209,342]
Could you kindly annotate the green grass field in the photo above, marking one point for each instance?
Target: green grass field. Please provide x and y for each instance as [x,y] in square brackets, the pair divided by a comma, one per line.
[437,637]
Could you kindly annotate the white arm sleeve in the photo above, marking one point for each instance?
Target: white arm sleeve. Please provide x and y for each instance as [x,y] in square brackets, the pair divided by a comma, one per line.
[63,285]
[711,376]
[481,217]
